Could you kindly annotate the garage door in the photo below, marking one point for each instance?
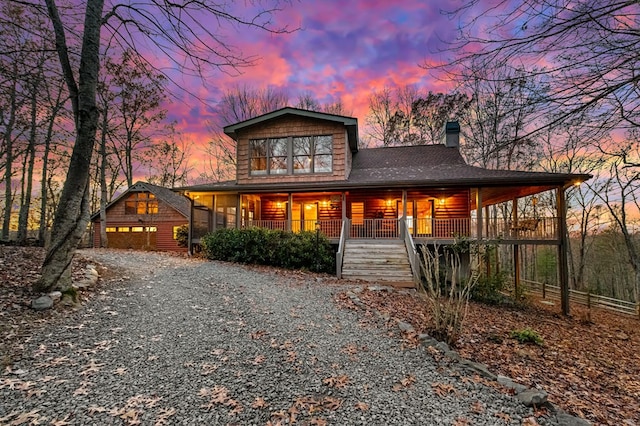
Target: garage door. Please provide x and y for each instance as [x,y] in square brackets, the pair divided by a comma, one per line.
[132,237]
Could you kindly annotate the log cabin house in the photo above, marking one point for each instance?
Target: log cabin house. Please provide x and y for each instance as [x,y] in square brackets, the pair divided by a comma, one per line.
[144,217]
[298,169]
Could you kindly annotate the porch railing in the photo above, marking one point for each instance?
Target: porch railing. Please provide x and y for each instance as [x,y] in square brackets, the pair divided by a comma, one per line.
[544,228]
[340,253]
[375,229]
[330,228]
[414,259]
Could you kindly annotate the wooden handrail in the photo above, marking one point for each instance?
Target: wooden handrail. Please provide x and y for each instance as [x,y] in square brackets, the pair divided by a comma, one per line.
[339,254]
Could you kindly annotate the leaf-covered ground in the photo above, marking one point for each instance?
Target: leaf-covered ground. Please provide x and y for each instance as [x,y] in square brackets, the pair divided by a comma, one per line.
[589,363]
[19,269]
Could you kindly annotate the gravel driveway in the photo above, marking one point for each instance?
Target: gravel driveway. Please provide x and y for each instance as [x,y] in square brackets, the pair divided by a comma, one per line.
[180,341]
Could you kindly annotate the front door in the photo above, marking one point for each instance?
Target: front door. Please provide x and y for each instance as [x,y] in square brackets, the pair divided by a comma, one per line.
[304,216]
[419,216]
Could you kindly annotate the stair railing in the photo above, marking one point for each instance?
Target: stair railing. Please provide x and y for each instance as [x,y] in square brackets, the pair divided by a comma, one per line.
[414,259]
[339,255]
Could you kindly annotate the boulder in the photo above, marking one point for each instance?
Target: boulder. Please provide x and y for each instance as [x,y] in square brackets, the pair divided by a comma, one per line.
[531,397]
[42,303]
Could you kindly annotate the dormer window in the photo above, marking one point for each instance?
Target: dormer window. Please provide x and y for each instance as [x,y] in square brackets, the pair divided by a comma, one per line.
[312,154]
[292,155]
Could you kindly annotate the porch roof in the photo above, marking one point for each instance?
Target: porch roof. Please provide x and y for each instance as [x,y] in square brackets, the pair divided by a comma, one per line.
[423,166]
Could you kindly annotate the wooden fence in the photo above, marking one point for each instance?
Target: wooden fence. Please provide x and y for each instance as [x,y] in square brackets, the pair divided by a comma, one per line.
[548,291]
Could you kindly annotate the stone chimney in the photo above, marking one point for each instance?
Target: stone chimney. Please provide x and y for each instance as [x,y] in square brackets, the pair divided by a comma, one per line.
[452,134]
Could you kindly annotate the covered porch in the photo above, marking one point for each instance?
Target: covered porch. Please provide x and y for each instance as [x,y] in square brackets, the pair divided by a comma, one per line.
[431,216]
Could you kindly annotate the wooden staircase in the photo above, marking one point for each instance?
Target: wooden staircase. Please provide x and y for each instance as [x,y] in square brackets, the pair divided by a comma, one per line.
[382,261]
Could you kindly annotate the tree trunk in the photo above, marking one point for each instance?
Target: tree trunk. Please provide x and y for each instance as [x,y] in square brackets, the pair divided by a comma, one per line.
[25,206]
[45,166]
[8,170]
[104,242]
[72,213]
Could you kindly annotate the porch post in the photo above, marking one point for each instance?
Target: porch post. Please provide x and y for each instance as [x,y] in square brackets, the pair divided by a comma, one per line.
[289,209]
[344,206]
[404,214]
[239,212]
[479,214]
[516,251]
[563,267]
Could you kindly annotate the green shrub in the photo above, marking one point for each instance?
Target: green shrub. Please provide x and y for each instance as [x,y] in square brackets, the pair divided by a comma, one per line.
[261,246]
[182,235]
[489,289]
[526,335]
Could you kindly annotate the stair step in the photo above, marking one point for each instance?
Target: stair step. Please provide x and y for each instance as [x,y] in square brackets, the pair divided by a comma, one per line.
[376,273]
[377,261]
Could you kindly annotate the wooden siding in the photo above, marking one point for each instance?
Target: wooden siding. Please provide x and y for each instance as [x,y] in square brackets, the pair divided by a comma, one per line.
[447,205]
[377,204]
[294,126]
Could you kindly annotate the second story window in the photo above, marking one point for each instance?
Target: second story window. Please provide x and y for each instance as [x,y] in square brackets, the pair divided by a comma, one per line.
[312,154]
[293,155]
[141,203]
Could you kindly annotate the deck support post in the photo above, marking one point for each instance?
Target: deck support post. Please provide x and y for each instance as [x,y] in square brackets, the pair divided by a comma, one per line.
[479,217]
[488,235]
[516,252]
[563,266]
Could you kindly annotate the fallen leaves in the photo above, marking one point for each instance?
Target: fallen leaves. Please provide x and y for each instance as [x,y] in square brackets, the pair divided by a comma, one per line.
[259,402]
[92,367]
[219,395]
[336,382]
[404,383]
[362,406]
[589,369]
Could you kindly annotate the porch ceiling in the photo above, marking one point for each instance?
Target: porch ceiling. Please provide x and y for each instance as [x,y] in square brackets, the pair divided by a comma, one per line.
[495,195]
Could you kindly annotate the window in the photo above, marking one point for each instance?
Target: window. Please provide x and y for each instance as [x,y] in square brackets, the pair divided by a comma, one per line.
[322,154]
[258,154]
[293,155]
[278,156]
[312,154]
[111,229]
[141,203]
[357,213]
[137,229]
[123,229]
[302,154]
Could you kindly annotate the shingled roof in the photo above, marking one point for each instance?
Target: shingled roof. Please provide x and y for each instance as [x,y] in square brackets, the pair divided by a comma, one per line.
[421,165]
[437,165]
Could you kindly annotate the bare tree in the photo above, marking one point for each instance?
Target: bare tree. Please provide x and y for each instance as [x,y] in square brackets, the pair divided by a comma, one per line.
[134,108]
[181,31]
[495,123]
[238,104]
[408,117]
[587,51]
[620,194]
[381,110]
[168,161]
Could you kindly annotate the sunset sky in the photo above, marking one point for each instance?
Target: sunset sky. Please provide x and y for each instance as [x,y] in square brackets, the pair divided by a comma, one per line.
[343,50]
